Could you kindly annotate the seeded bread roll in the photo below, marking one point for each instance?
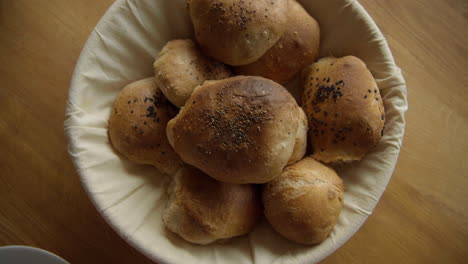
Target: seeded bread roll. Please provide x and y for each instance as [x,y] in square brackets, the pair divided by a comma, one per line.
[344,109]
[238,32]
[181,66]
[202,210]
[303,204]
[300,146]
[137,126]
[238,130]
[296,49]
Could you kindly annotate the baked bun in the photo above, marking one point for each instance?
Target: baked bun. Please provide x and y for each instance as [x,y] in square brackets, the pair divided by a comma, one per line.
[238,32]
[137,126]
[296,49]
[181,66]
[304,202]
[238,130]
[344,109]
[202,210]
[300,146]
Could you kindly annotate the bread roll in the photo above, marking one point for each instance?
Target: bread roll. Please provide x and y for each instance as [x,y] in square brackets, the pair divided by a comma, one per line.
[303,204]
[238,130]
[296,49]
[202,210]
[300,145]
[137,126]
[181,66]
[238,32]
[344,109]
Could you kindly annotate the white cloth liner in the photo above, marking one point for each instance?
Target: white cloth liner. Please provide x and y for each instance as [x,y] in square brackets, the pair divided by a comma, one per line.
[121,49]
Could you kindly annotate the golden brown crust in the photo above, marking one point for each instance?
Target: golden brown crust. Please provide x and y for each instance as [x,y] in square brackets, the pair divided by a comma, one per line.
[344,109]
[238,32]
[238,130]
[137,126]
[202,210]
[297,48]
[181,66]
[303,204]
[300,145]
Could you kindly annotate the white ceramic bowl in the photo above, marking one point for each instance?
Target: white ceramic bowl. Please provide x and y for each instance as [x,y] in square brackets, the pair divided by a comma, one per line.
[28,255]
[130,197]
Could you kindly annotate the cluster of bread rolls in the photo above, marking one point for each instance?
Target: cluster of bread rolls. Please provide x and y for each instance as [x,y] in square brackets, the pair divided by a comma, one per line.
[216,118]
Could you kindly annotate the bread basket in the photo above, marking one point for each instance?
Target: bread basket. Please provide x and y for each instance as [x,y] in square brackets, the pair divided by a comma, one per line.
[130,197]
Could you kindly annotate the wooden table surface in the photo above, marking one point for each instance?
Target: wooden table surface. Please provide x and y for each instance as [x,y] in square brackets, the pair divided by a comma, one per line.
[421,218]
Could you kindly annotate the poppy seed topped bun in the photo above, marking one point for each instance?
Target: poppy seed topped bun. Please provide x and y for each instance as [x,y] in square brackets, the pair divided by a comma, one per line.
[137,126]
[344,109]
[239,130]
[238,32]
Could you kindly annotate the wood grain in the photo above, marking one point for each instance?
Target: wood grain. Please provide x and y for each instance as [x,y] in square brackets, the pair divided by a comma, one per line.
[421,218]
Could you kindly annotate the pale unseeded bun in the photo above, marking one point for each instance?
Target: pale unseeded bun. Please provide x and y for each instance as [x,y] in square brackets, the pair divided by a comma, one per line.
[238,130]
[300,147]
[137,126]
[238,32]
[202,210]
[181,66]
[344,109]
[304,202]
[296,49]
